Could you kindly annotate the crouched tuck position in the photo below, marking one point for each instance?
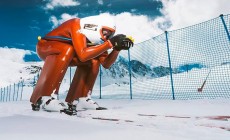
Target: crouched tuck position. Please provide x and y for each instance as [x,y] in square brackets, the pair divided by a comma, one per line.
[77,42]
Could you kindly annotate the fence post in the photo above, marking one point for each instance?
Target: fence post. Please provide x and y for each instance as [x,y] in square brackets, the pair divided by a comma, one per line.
[4,94]
[33,83]
[14,92]
[70,75]
[130,76]
[22,82]
[170,66]
[1,94]
[225,26]
[9,92]
[17,91]
[100,82]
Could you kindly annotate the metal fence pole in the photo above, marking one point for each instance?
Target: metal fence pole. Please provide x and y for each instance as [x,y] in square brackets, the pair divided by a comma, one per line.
[34,82]
[225,26]
[14,92]
[130,77]
[1,94]
[70,75]
[100,82]
[9,92]
[170,66]
[22,82]
[4,94]
[17,91]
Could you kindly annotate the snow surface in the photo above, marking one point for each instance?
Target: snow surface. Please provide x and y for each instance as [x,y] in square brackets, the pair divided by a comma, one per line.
[18,121]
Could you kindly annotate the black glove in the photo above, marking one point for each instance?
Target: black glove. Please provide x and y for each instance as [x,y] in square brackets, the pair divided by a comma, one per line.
[117,41]
[121,42]
[126,43]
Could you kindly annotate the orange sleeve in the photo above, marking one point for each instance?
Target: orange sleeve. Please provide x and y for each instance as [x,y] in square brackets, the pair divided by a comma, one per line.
[107,60]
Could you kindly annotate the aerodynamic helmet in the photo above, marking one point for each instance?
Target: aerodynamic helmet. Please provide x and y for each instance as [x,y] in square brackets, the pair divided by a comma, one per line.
[98,29]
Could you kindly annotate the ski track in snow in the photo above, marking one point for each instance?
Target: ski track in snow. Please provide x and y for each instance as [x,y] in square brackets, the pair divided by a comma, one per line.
[136,119]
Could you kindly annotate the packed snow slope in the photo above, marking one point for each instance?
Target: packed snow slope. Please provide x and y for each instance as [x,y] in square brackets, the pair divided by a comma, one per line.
[124,119]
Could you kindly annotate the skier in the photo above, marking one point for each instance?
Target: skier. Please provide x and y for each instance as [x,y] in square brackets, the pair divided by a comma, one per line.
[77,42]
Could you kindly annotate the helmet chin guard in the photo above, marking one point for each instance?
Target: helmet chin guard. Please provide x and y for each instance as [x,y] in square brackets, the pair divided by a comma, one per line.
[92,27]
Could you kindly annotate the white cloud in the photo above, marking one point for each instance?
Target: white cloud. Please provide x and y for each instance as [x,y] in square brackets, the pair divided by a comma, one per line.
[176,14]
[61,3]
[13,54]
[138,26]
[182,13]
[64,17]
[54,21]
[100,2]
[188,47]
[133,10]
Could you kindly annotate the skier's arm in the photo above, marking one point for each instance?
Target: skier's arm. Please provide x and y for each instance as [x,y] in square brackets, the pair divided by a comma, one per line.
[107,60]
[80,46]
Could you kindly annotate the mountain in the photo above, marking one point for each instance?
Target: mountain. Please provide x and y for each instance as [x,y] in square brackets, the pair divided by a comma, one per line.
[188,67]
[119,72]
[120,69]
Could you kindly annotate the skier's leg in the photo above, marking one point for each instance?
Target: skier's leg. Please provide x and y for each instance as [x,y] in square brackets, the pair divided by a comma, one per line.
[84,80]
[82,89]
[91,77]
[85,102]
[78,84]
[54,68]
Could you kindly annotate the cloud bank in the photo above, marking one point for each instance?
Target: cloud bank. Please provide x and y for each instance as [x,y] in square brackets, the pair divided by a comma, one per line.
[175,14]
[60,3]
[100,2]
[64,17]
[182,13]
[139,26]
[13,54]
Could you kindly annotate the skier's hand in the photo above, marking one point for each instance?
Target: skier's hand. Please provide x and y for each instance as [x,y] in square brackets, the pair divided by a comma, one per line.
[117,41]
[121,42]
[127,42]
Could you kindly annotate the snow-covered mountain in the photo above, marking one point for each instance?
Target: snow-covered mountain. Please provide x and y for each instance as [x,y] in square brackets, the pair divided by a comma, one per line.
[120,69]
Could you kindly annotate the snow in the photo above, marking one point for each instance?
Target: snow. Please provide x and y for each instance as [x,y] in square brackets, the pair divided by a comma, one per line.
[125,119]
[13,66]
[18,121]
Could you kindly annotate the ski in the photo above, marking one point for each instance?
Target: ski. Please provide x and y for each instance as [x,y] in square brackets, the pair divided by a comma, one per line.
[221,118]
[110,119]
[219,127]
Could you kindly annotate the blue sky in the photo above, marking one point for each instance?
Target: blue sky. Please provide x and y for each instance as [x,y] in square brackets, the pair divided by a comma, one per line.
[21,21]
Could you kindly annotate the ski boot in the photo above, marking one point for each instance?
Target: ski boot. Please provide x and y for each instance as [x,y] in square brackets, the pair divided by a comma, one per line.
[36,107]
[53,105]
[71,110]
[86,103]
